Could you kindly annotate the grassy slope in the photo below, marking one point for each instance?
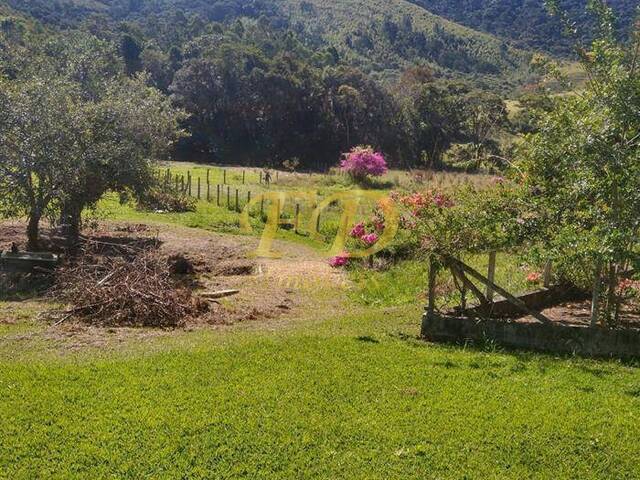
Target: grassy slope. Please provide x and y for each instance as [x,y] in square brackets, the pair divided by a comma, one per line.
[334,20]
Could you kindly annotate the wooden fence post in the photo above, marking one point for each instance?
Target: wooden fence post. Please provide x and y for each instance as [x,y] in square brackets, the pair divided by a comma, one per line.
[228,197]
[218,194]
[208,176]
[595,299]
[237,204]
[431,300]
[198,188]
[546,278]
[510,298]
[491,275]
[243,172]
[208,192]
[262,206]
[224,177]
[297,218]
[248,197]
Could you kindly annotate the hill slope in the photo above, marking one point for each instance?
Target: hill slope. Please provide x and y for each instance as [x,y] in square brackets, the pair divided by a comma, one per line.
[383,36]
[526,22]
[380,36]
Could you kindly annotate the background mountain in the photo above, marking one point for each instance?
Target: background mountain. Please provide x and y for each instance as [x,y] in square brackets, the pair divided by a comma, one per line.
[269,81]
[527,22]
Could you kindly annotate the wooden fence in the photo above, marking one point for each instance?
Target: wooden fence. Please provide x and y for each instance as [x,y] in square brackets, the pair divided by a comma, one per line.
[463,274]
[233,197]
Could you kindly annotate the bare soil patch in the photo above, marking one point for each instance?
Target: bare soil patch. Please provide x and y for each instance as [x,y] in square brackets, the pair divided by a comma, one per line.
[202,262]
[579,313]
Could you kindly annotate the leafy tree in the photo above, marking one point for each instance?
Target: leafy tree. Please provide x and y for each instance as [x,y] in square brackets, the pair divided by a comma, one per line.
[72,126]
[434,115]
[129,129]
[531,107]
[39,129]
[131,49]
[485,114]
[583,165]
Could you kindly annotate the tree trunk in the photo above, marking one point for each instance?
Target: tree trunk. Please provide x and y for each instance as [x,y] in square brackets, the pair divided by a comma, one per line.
[70,224]
[33,230]
[612,297]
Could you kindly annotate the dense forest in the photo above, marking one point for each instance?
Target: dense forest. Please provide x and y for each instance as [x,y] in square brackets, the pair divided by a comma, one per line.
[256,89]
[380,37]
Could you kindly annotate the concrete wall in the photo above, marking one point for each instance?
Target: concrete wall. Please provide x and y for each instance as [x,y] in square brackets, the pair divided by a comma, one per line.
[597,341]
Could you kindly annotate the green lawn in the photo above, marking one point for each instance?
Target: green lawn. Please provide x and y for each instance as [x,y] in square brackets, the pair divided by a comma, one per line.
[346,396]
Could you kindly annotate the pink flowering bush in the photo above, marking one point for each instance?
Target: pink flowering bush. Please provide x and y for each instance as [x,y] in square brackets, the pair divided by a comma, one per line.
[471,219]
[358,230]
[363,161]
[364,235]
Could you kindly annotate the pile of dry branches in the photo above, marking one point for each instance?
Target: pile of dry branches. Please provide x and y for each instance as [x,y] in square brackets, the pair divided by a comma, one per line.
[135,290]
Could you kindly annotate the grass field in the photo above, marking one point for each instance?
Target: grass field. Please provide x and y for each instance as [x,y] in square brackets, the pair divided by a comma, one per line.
[224,217]
[347,395]
[338,388]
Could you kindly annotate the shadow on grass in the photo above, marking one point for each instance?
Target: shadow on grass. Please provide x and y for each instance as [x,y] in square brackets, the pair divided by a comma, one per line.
[523,357]
[367,339]
[634,392]
[20,287]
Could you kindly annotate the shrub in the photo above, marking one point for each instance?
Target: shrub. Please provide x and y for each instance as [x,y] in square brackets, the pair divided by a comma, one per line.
[166,200]
[363,161]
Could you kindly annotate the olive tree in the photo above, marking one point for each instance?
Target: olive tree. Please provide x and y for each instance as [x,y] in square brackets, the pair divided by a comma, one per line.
[128,130]
[39,130]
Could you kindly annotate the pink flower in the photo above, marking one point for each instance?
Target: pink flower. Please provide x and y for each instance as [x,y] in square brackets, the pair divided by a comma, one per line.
[339,260]
[370,239]
[534,277]
[441,201]
[378,225]
[358,230]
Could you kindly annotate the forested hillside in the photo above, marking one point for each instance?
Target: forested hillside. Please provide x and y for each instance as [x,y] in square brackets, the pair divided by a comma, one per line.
[527,22]
[384,36]
[379,36]
[270,81]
